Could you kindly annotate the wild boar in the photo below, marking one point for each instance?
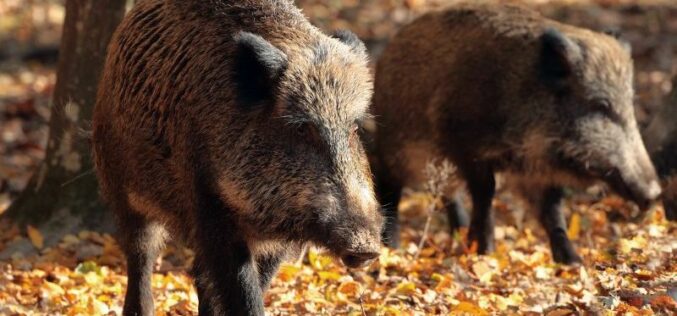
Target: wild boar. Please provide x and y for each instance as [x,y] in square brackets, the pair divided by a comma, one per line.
[499,88]
[232,125]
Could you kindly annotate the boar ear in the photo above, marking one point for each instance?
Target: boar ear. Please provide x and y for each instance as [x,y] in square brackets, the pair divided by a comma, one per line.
[258,66]
[618,35]
[559,55]
[349,38]
[613,32]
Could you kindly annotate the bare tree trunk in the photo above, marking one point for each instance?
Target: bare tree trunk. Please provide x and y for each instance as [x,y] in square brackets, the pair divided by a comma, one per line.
[63,191]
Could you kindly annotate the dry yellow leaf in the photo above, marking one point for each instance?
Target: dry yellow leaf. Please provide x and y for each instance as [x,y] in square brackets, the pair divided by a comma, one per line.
[468,308]
[98,308]
[444,284]
[574,226]
[52,289]
[35,236]
[429,296]
[500,302]
[515,299]
[288,272]
[626,246]
[406,288]
[483,271]
[329,275]
[317,260]
[350,289]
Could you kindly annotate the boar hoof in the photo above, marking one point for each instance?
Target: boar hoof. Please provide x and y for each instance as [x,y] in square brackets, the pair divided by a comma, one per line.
[571,259]
[568,257]
[485,242]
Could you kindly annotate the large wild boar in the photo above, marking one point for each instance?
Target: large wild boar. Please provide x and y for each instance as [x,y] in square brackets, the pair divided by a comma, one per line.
[498,88]
[232,125]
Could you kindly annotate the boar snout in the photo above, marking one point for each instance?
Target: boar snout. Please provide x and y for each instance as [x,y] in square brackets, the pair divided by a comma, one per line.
[633,175]
[364,220]
[364,245]
[365,249]
[356,246]
[641,190]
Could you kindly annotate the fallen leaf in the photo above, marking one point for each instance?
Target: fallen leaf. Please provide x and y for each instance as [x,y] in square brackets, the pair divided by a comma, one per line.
[288,272]
[35,236]
[406,288]
[483,271]
[574,226]
[468,307]
[349,290]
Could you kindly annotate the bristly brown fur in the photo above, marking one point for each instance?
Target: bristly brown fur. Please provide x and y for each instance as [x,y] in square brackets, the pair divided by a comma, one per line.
[230,125]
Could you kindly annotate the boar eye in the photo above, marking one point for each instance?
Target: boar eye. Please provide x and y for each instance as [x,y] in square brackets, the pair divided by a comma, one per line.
[308,132]
[354,129]
[354,133]
[604,107]
[303,130]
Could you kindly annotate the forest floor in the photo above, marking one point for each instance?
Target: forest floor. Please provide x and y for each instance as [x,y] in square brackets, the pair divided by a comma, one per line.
[629,268]
[630,263]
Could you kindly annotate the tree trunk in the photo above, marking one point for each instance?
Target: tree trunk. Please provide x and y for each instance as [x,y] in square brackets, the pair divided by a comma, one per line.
[63,194]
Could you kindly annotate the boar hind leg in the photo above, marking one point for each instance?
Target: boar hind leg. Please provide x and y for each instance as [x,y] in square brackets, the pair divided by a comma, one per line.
[389,194]
[142,241]
[482,186]
[552,219]
[456,213]
[225,270]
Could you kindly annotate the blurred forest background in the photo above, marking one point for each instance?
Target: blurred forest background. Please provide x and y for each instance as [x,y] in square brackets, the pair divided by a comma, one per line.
[630,267]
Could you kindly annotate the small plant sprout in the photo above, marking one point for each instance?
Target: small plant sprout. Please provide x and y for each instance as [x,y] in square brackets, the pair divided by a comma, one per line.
[438,176]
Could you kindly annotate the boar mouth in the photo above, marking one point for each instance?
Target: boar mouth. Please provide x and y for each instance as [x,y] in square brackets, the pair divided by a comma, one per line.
[628,191]
[352,257]
[584,174]
[613,178]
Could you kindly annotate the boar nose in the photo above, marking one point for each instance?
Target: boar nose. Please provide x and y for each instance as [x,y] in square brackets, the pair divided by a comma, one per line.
[653,190]
[636,176]
[643,193]
[647,195]
[647,189]
[359,259]
[364,246]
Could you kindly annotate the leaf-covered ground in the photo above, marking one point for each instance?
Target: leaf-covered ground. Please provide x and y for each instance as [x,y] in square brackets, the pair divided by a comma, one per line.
[628,268]
[630,265]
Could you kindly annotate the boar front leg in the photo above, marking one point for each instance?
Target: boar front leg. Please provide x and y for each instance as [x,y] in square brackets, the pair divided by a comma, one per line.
[225,271]
[141,240]
[482,186]
[552,219]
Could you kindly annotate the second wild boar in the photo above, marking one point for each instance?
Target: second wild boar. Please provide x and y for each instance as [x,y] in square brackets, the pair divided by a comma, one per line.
[499,88]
